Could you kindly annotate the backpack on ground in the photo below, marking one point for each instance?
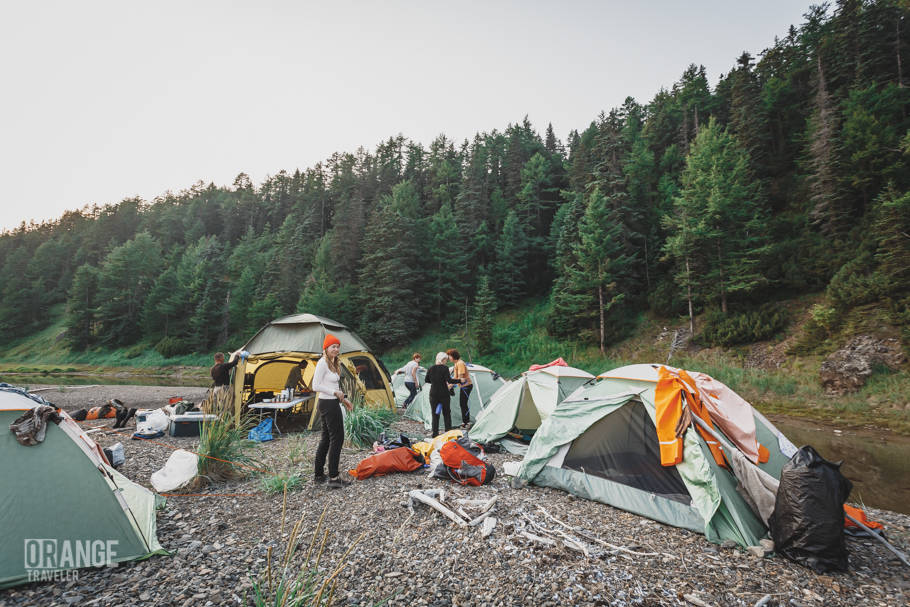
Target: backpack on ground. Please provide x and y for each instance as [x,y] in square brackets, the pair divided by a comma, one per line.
[464,460]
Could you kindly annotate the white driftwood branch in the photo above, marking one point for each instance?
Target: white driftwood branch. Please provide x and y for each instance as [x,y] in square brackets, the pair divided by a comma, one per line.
[420,496]
[592,538]
[487,528]
[536,538]
[476,521]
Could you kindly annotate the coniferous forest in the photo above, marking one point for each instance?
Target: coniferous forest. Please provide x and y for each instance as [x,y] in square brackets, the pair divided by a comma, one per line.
[789,176]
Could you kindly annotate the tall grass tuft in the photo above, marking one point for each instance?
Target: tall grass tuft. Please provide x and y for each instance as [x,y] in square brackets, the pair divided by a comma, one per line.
[306,586]
[224,450]
[363,425]
[281,482]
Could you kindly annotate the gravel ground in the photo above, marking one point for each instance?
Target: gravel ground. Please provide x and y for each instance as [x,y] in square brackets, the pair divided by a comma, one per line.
[220,541]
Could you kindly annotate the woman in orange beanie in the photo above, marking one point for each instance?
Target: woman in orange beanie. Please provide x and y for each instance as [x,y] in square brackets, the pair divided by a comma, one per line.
[325,382]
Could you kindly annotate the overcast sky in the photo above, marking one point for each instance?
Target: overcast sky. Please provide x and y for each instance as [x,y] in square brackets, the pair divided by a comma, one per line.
[107,100]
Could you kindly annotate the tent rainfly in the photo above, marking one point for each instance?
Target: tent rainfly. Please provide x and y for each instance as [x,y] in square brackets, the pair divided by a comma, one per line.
[62,506]
[601,443]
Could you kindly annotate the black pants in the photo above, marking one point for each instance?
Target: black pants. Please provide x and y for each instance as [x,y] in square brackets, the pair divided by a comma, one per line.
[463,401]
[412,388]
[332,436]
[435,402]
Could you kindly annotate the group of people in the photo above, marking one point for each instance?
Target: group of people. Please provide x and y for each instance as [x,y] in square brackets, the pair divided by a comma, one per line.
[442,382]
[325,383]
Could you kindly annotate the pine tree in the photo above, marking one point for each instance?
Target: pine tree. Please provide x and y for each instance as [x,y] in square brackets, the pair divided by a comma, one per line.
[511,261]
[80,308]
[126,277]
[484,310]
[602,265]
[391,273]
[718,229]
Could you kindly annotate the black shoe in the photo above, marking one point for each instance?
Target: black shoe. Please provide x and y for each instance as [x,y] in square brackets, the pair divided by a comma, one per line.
[320,479]
[337,483]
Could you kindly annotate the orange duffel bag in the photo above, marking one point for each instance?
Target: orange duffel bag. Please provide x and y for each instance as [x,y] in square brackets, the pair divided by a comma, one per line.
[401,459]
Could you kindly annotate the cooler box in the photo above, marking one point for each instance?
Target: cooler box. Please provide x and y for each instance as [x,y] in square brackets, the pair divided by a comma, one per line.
[188,423]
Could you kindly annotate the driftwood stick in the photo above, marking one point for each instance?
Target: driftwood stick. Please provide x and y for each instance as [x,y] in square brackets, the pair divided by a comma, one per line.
[536,538]
[763,601]
[487,528]
[592,538]
[460,512]
[570,542]
[487,506]
[695,600]
[476,521]
[420,496]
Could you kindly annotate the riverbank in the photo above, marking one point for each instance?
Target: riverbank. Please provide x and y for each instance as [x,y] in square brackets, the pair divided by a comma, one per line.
[222,535]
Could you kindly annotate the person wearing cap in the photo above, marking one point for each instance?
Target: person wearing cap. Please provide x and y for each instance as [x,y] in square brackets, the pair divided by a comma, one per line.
[325,383]
[440,381]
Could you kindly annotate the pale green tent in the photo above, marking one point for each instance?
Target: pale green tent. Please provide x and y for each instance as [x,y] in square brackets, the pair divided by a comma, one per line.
[60,501]
[399,389]
[486,383]
[601,444]
[524,403]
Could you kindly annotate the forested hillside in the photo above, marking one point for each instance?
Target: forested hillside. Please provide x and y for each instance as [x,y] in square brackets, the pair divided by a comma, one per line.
[789,176]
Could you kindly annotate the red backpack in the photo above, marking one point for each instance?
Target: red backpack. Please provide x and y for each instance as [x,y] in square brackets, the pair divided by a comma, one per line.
[462,457]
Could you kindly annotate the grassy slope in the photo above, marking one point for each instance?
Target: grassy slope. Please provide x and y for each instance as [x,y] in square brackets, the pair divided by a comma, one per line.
[520,340]
[46,352]
[793,388]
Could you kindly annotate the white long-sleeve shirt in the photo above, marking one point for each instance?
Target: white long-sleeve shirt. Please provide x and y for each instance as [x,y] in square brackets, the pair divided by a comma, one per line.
[325,382]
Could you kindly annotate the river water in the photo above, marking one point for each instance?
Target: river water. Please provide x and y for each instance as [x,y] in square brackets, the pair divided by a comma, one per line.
[876,461]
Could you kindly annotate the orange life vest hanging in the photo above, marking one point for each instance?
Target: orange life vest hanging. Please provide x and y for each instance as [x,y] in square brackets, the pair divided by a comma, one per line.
[669,413]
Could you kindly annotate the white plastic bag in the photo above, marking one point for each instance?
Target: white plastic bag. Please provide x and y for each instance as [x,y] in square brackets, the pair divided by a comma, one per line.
[150,422]
[181,467]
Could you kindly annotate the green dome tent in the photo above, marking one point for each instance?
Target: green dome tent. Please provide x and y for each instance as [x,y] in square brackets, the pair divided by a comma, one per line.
[398,387]
[522,404]
[486,383]
[601,443]
[62,506]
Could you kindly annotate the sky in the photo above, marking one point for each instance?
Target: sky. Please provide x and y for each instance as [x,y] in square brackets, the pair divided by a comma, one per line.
[106,100]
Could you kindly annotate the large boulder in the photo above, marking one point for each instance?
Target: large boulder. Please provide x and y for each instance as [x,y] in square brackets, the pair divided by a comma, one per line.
[847,369]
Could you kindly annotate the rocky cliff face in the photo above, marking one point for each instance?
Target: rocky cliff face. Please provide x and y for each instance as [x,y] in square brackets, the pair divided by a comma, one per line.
[847,369]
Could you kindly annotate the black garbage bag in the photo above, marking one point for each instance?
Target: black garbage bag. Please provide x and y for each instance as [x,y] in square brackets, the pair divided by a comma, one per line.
[807,524]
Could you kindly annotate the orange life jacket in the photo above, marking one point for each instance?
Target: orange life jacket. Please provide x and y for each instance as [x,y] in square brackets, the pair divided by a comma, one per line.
[671,386]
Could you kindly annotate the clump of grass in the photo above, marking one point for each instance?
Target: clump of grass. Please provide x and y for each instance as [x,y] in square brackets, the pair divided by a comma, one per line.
[363,425]
[280,482]
[303,587]
[224,450]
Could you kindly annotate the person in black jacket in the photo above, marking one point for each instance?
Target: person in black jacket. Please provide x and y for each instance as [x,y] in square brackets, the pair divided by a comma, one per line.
[221,371]
[440,380]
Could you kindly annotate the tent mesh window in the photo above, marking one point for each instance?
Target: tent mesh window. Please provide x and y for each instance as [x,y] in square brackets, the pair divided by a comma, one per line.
[367,372]
[622,447]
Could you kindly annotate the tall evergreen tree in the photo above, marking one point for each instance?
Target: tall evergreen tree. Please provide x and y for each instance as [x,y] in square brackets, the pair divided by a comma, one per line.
[80,308]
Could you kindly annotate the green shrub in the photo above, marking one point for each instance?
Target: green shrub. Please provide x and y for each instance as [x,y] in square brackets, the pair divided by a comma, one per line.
[169,347]
[363,425]
[742,328]
[134,351]
[278,482]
